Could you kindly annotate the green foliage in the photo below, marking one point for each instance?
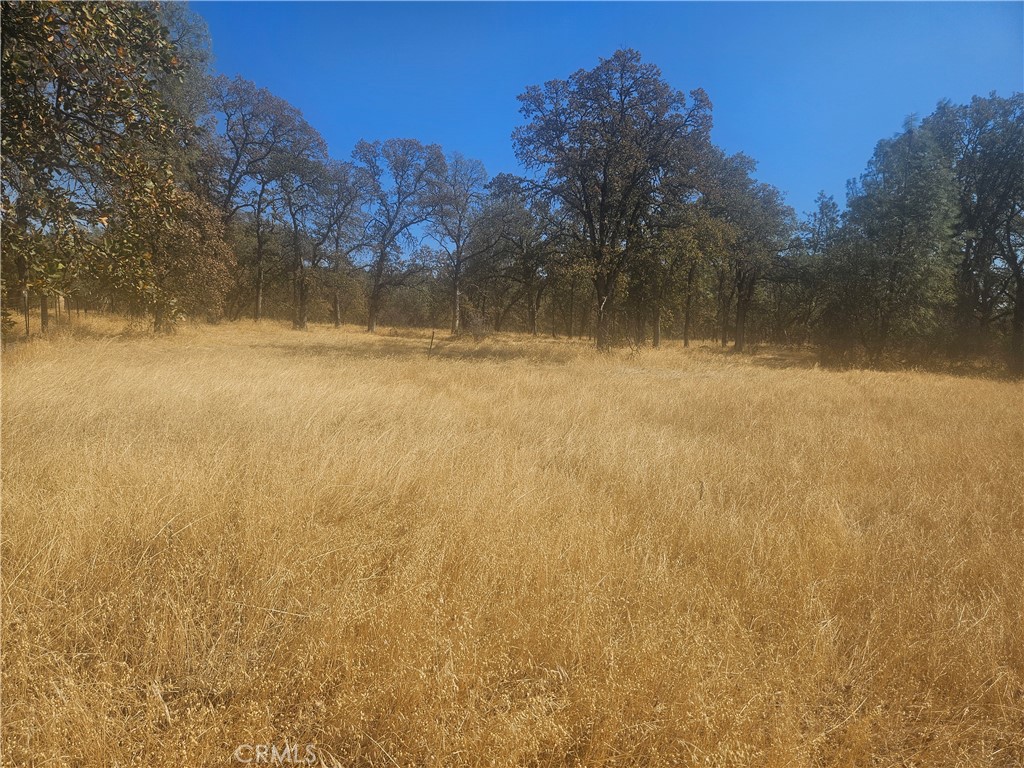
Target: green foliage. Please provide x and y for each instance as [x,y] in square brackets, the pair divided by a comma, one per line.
[180,263]
[983,144]
[893,268]
[611,144]
[400,177]
[129,172]
[99,130]
[81,112]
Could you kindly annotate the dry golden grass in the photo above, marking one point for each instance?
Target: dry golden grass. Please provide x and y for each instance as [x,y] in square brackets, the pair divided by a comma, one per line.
[518,552]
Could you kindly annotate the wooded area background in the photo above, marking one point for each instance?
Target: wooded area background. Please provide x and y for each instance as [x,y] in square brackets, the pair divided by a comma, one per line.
[135,181]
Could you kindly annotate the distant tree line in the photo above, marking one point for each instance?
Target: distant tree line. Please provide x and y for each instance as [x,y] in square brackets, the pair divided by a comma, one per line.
[135,181]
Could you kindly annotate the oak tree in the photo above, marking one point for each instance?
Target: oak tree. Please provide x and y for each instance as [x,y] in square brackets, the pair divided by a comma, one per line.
[603,142]
[400,175]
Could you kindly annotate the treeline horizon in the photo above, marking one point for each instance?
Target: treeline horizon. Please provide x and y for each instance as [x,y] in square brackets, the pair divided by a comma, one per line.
[134,180]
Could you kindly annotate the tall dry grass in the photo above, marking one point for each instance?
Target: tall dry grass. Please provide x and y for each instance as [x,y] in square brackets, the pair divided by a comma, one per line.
[518,552]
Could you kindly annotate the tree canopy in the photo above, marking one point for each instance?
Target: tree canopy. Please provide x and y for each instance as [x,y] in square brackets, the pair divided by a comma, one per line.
[135,179]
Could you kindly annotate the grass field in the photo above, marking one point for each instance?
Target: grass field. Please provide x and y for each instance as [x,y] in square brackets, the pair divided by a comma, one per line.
[512,552]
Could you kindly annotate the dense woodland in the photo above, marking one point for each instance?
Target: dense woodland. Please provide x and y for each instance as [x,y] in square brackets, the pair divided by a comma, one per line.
[134,181]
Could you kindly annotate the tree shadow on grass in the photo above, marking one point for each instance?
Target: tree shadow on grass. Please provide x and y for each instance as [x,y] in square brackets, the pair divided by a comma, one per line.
[809,358]
[783,359]
[100,327]
[778,358]
[383,347]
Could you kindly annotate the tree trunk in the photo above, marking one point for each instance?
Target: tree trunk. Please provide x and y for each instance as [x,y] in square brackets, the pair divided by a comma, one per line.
[501,313]
[603,285]
[44,313]
[656,322]
[257,310]
[302,302]
[572,306]
[744,299]
[532,310]
[21,261]
[301,295]
[639,326]
[456,308]
[373,309]
[554,324]
[741,325]
[376,297]
[965,302]
[159,319]
[724,306]
[257,313]
[1017,326]
[336,308]
[687,309]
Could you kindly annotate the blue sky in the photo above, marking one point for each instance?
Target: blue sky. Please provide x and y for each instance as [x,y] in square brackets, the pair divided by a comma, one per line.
[806,89]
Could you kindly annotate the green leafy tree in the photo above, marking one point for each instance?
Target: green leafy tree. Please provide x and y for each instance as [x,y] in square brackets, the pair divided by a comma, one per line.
[456,201]
[606,143]
[400,177]
[517,237]
[983,143]
[81,113]
[765,225]
[796,289]
[894,271]
[727,189]
[340,228]
[259,136]
[187,92]
[179,258]
[300,175]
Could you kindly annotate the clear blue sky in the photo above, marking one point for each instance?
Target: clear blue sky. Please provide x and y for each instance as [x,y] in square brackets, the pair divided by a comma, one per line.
[807,89]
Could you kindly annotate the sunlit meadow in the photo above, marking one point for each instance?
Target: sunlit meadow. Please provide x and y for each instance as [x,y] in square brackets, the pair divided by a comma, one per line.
[512,551]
